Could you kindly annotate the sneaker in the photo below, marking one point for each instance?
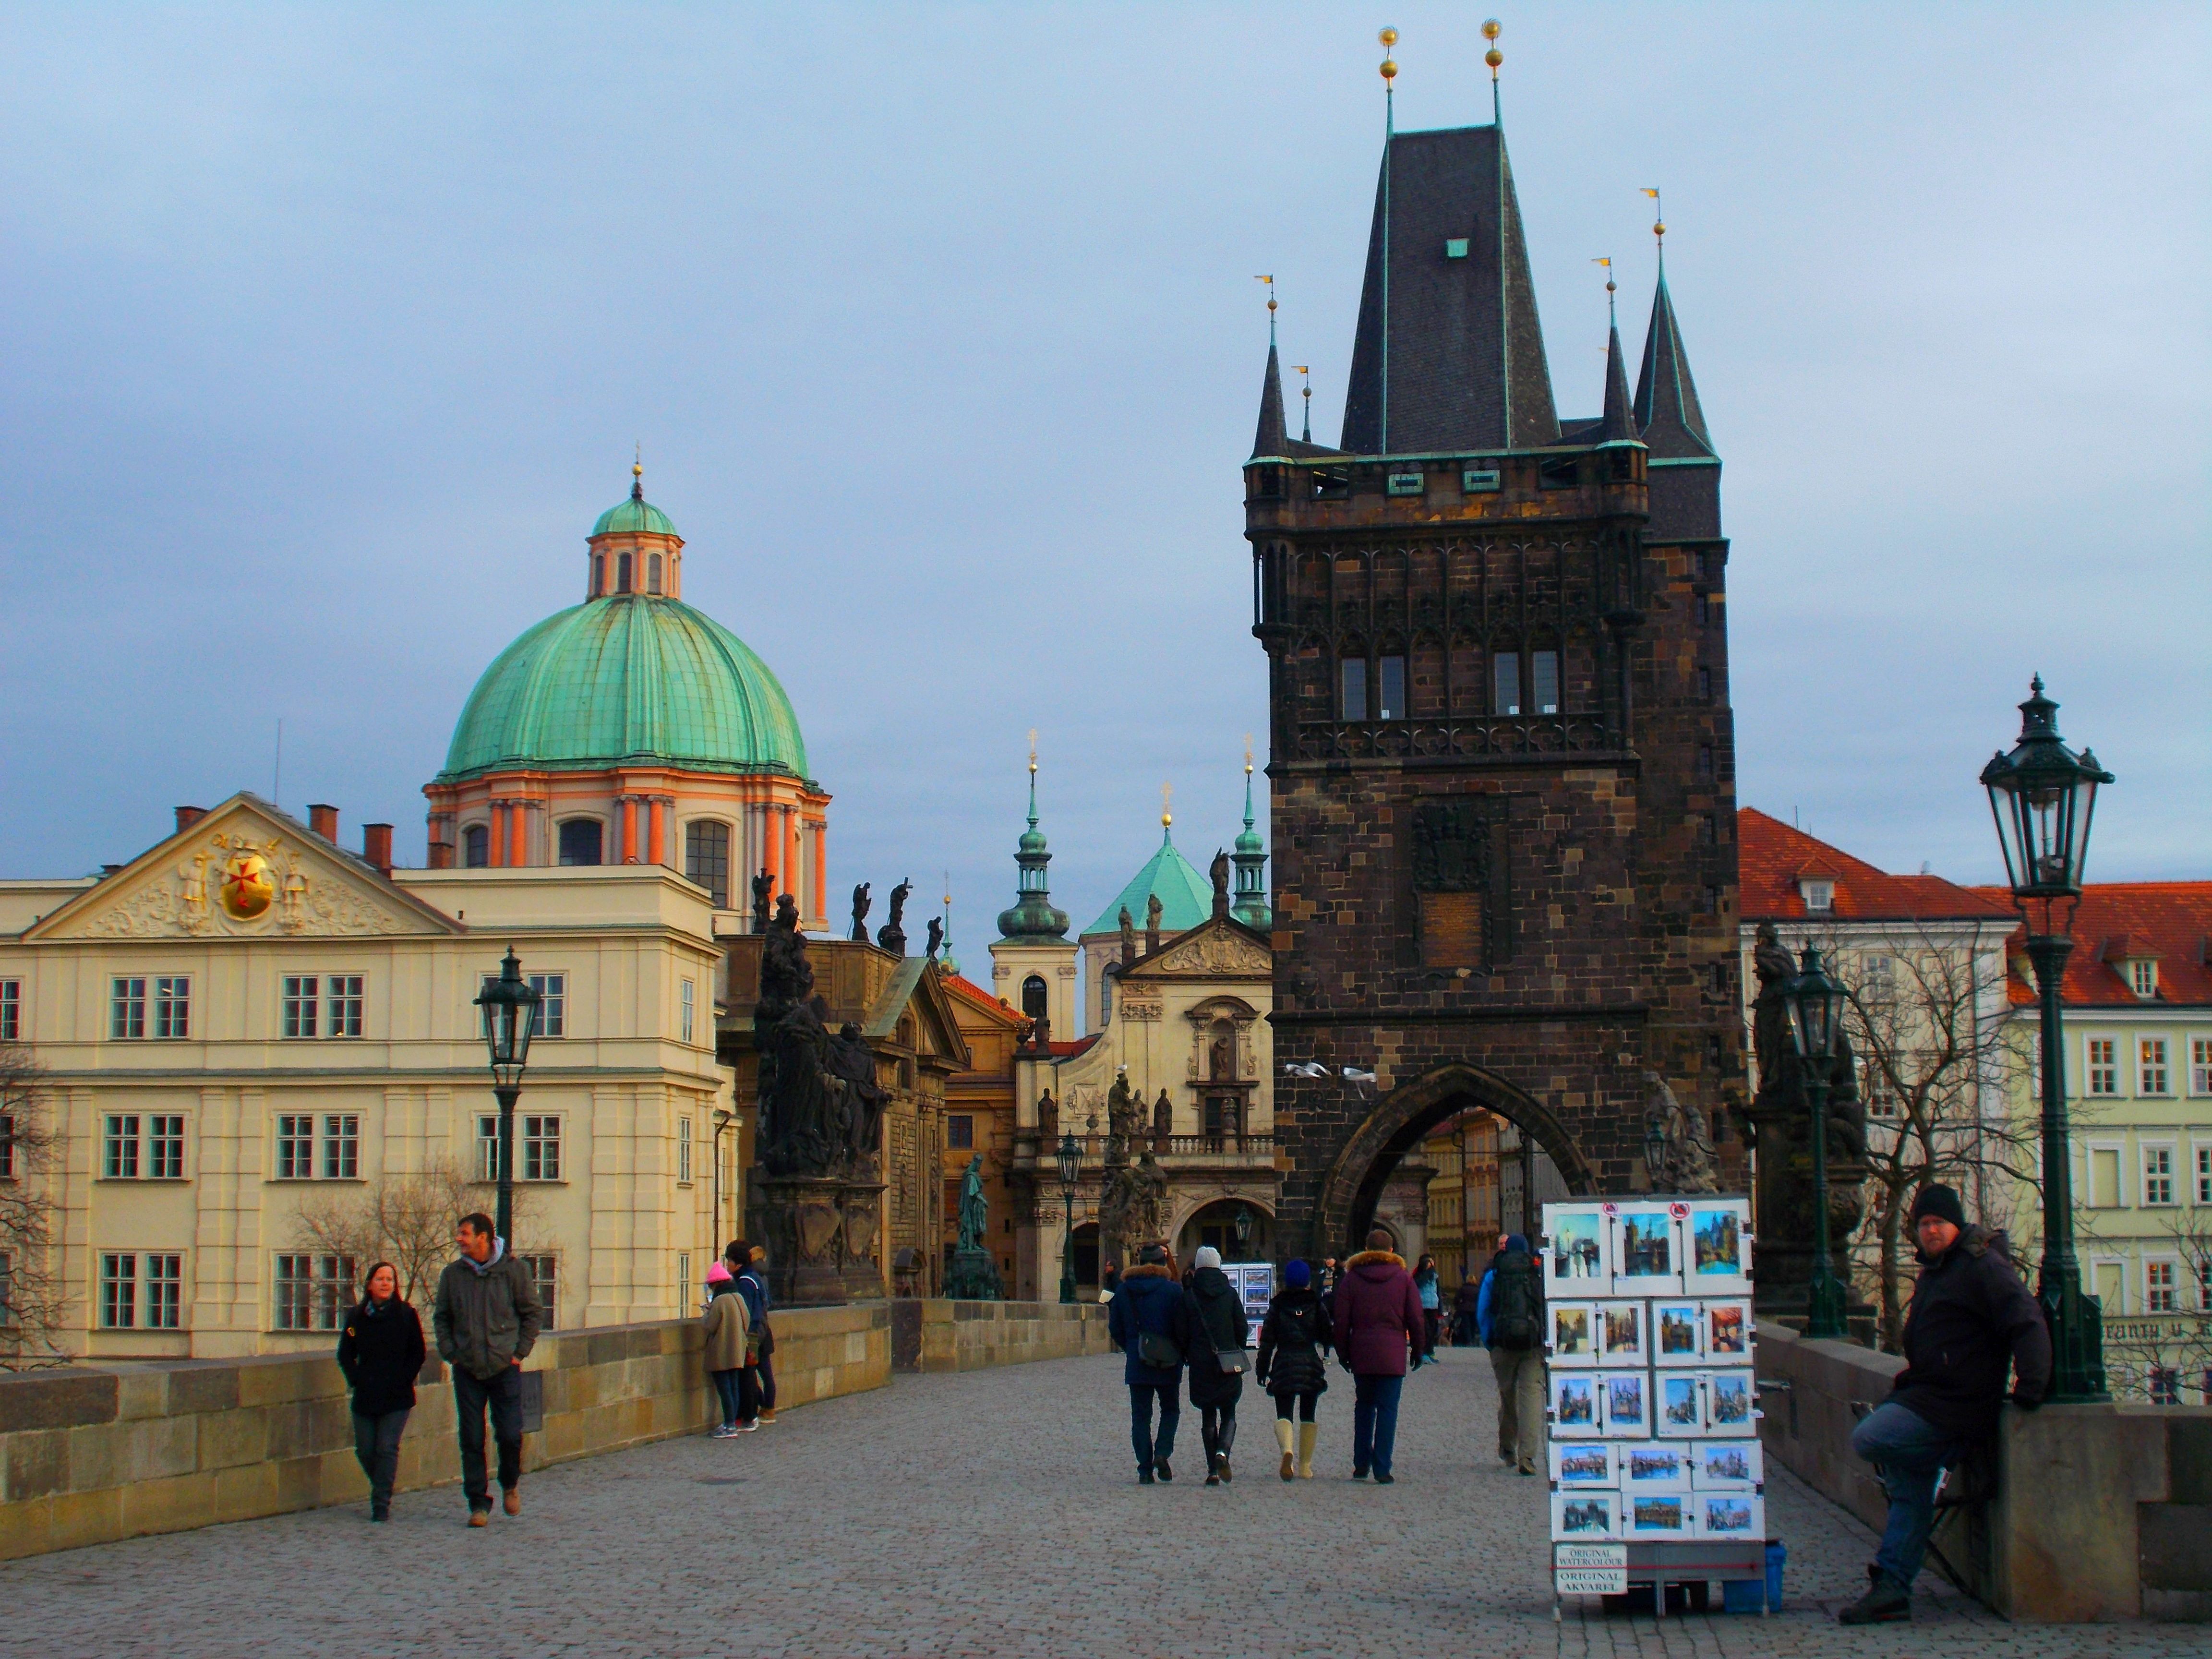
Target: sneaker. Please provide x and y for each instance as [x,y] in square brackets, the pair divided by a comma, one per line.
[480,1517]
[752,1427]
[767,1415]
[1384,1478]
[1506,1455]
[513,1501]
[380,1515]
[1160,1467]
[1883,1603]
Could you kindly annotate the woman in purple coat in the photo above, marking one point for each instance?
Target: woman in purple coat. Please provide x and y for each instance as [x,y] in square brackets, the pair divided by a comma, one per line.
[1378,1321]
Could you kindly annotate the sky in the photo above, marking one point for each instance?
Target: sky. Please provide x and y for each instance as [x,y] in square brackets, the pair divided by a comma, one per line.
[325,332]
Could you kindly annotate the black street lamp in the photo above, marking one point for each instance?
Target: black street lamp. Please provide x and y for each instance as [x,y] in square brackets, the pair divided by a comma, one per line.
[1816,1020]
[1071,1171]
[510,1015]
[2044,796]
[1243,1231]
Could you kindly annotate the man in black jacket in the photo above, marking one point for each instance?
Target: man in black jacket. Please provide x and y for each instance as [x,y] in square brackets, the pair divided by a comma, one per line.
[486,1320]
[1971,1321]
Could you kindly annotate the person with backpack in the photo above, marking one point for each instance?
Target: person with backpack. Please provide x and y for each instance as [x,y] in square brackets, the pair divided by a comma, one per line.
[1142,1322]
[1214,1330]
[1509,1311]
[1294,1340]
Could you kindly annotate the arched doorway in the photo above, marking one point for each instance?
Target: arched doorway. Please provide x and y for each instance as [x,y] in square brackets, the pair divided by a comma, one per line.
[1548,1165]
[1087,1258]
[1215,1223]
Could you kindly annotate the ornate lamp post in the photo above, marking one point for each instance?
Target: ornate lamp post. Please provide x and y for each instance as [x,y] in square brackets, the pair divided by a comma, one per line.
[1654,1153]
[1816,1018]
[1071,1170]
[510,1015]
[2043,797]
[1243,1231]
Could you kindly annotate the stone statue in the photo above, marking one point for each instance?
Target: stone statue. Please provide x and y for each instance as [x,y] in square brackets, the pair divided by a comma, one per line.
[1221,1059]
[972,1274]
[974,1209]
[1152,924]
[892,934]
[1781,1074]
[1124,1117]
[1129,937]
[860,902]
[853,1061]
[1048,1110]
[1163,1121]
[1769,1010]
[1218,871]
[803,1104]
[764,889]
[936,938]
[1686,1165]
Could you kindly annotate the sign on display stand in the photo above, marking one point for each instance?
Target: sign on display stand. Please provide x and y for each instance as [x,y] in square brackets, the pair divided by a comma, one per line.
[1256,1286]
[1651,1397]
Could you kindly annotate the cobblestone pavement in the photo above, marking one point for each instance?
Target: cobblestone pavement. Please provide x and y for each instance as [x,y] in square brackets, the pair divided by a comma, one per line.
[992,1513]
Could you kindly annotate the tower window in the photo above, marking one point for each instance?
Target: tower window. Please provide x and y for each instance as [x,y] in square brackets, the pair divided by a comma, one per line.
[622,573]
[598,574]
[1505,683]
[475,847]
[652,573]
[580,841]
[1391,705]
[1034,996]
[1353,671]
[1544,670]
[1704,685]
[707,857]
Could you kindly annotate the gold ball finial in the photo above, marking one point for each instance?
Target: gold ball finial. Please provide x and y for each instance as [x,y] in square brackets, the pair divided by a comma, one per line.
[1390,69]
[1658,227]
[1490,28]
[637,469]
[1493,57]
[1388,37]
[1271,302]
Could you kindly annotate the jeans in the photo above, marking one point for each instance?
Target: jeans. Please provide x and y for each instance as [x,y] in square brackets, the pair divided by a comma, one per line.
[1520,1374]
[376,1444]
[1432,1324]
[1303,1403]
[1141,1395]
[1374,1422]
[1910,1454]
[503,1395]
[1217,1428]
[727,1386]
[763,1381]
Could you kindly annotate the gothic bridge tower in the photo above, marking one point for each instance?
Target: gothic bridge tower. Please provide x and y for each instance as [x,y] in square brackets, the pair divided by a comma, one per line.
[1501,752]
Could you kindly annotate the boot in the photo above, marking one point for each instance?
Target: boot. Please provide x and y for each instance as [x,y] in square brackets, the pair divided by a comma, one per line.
[1308,1434]
[1885,1603]
[1283,1427]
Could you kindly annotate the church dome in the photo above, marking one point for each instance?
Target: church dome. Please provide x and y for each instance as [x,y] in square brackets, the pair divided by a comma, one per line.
[634,517]
[1186,896]
[626,679]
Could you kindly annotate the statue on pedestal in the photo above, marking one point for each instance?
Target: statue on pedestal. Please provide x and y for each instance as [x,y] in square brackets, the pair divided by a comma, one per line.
[861,901]
[891,936]
[1687,1164]
[972,1275]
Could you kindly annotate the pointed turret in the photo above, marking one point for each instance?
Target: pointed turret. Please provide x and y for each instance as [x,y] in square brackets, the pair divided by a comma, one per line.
[1667,408]
[1250,858]
[1033,917]
[1618,425]
[1273,436]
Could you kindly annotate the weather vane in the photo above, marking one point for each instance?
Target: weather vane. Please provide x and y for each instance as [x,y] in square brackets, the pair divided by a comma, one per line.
[1658,218]
[1305,391]
[1608,263]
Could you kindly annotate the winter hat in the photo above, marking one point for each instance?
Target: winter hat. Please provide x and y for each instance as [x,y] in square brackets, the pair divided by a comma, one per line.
[1937,1199]
[1207,1256]
[1516,1242]
[1298,1275]
[718,1274]
[1154,1256]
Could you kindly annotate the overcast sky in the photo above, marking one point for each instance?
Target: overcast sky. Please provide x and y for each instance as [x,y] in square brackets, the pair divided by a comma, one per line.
[325,332]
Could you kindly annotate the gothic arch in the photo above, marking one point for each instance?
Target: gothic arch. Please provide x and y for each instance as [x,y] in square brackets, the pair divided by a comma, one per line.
[1396,1124]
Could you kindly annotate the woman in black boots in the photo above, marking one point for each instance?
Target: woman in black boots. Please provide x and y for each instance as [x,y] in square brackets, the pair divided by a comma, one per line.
[381,1354]
[1214,1329]
[1294,1343]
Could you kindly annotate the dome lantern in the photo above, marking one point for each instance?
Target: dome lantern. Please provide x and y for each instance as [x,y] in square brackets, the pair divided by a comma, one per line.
[635,550]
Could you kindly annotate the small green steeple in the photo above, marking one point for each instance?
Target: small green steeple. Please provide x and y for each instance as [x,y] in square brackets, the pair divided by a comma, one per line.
[1251,861]
[1033,916]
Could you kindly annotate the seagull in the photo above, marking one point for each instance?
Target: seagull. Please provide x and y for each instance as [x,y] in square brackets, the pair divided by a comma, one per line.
[1353,1074]
[1311,1068]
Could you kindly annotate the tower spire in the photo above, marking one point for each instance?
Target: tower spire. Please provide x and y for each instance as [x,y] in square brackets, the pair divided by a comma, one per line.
[1667,409]
[1250,858]
[1305,391]
[1490,28]
[1271,437]
[1032,916]
[1388,37]
[1618,425]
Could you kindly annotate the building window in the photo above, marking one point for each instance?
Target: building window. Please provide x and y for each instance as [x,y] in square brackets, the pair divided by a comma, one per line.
[598,574]
[121,1162]
[475,847]
[341,1147]
[960,1133]
[127,1009]
[165,1148]
[2150,1069]
[486,1147]
[1390,682]
[707,857]
[173,1006]
[2142,977]
[2200,1066]
[1352,673]
[1035,997]
[2163,1383]
[313,1292]
[2157,1175]
[344,1005]
[2159,1294]
[11,1011]
[2204,1175]
[7,1147]
[2105,1177]
[1505,682]
[302,1002]
[652,573]
[1703,608]
[622,573]
[683,1280]
[579,841]
[683,1151]
[119,1292]
[1819,896]
[685,1004]
[552,1004]
[541,1147]
[295,1147]
[1704,685]
[2104,1065]
[1544,673]
[1705,762]
[165,1285]
[6,1290]
[544,1273]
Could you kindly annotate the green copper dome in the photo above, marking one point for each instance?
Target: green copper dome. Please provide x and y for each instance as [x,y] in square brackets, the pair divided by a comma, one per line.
[623,680]
[1186,896]
[634,516]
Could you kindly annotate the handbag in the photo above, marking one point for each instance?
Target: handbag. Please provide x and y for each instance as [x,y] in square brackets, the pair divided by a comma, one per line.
[1158,1349]
[1231,1361]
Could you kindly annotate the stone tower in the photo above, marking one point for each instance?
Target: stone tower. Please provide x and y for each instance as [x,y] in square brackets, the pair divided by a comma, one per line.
[1503,801]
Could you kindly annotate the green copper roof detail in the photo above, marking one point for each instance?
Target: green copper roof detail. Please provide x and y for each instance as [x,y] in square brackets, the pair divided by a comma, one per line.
[1186,896]
[1033,915]
[636,515]
[1251,861]
[623,680]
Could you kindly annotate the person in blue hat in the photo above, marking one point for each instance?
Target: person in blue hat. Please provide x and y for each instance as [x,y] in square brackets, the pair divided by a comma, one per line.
[1294,1345]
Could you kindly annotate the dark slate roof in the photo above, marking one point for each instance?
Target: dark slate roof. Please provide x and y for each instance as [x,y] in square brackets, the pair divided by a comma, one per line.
[1272,437]
[1667,406]
[1619,422]
[1467,369]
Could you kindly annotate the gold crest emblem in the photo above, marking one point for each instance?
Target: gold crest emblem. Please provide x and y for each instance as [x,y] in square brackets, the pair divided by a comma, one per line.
[247,887]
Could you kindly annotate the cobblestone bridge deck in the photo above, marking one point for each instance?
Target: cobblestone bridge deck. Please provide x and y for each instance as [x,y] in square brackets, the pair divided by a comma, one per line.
[985,1513]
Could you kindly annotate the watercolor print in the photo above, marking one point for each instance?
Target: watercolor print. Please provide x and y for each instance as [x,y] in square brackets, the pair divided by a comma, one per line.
[1731,1399]
[1676,1324]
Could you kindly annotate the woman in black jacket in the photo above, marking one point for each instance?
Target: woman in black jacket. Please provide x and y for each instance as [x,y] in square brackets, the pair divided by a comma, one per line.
[1213,1328]
[381,1354]
[1294,1339]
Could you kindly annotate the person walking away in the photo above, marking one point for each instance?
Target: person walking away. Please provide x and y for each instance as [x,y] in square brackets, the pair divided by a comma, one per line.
[487,1320]
[381,1354]
[1971,1320]
[1378,1323]
[1294,1339]
[1510,1312]
[1141,1322]
[1214,1331]
[760,1335]
[1424,1281]
[727,1323]
[1465,1329]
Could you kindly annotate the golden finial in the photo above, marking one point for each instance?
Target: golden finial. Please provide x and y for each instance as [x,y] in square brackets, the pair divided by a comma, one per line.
[1607,263]
[1167,799]
[1493,57]
[1032,751]
[1658,213]
[1247,754]
[1388,37]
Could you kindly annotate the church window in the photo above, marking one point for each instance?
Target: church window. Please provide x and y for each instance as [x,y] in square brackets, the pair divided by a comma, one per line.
[1353,671]
[1391,683]
[622,573]
[707,857]
[1034,996]
[652,573]
[960,1133]
[475,847]
[598,574]
[580,841]
[1505,683]
[1544,670]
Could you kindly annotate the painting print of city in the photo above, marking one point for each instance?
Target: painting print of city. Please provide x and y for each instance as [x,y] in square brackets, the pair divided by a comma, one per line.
[1577,1250]
[1646,1246]
[1716,1238]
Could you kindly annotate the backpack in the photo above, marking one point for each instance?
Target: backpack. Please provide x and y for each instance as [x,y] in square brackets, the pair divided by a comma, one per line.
[1516,1319]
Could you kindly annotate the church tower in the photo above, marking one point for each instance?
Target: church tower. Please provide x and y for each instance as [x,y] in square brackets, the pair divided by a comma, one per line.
[1501,758]
[1033,963]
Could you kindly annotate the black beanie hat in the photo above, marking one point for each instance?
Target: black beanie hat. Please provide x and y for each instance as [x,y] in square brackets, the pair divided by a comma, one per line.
[1939,1201]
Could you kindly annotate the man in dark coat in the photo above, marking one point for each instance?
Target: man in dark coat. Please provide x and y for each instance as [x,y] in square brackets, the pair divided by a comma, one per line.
[1149,1305]
[1215,1327]
[1378,1319]
[1294,1339]
[1971,1320]
[486,1320]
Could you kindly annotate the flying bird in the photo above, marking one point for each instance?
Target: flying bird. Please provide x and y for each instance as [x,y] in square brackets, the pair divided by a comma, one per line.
[1353,1074]
[1311,1068]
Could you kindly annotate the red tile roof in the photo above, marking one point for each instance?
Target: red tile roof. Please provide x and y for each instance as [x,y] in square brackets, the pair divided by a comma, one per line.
[1069,1050]
[1771,856]
[2171,921]
[960,985]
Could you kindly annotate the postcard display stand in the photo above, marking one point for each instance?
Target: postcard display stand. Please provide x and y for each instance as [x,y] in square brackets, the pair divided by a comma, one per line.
[1655,1466]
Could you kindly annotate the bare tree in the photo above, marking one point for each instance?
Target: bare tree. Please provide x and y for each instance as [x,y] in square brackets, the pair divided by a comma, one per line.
[2176,1341]
[405,1219]
[31,1291]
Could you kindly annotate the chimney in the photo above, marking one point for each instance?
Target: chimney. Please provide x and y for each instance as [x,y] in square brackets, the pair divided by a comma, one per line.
[441,855]
[189,815]
[324,821]
[376,846]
